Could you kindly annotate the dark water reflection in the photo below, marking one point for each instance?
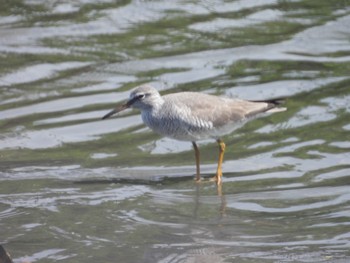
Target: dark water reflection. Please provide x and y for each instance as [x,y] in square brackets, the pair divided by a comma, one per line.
[77,189]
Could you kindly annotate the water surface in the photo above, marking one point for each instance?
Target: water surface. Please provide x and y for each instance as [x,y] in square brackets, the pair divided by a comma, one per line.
[77,189]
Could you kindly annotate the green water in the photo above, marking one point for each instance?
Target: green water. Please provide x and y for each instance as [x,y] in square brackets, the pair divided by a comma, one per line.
[74,188]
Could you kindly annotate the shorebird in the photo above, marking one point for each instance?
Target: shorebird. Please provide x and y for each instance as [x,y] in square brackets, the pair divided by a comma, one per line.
[194,116]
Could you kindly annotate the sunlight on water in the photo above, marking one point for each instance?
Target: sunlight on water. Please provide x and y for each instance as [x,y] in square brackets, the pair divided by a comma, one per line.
[75,188]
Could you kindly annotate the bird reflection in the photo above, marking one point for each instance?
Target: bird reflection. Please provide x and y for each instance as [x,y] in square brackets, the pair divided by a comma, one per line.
[220,195]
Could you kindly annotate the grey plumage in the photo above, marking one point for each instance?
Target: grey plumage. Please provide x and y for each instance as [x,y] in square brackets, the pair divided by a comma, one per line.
[193,116]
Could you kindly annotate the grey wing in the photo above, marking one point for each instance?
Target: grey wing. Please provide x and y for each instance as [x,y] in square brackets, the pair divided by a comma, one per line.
[207,111]
[220,111]
[198,109]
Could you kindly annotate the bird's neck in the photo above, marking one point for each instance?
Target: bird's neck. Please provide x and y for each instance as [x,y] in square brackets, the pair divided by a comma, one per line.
[157,105]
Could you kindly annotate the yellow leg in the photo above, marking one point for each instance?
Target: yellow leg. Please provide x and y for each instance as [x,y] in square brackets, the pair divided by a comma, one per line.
[196,152]
[221,159]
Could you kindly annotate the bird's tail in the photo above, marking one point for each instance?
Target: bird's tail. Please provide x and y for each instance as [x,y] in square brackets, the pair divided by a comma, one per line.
[274,105]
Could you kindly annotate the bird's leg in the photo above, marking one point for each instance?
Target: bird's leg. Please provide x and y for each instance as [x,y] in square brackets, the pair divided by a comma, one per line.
[218,175]
[196,153]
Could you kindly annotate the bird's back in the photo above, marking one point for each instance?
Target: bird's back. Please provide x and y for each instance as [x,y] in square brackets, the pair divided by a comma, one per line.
[192,116]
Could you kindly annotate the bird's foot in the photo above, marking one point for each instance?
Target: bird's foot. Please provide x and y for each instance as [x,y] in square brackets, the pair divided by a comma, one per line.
[202,180]
[216,179]
[198,180]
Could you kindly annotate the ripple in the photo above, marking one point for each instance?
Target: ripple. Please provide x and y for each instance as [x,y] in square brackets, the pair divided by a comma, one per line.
[250,20]
[330,242]
[54,137]
[133,216]
[39,72]
[61,105]
[340,173]
[341,197]
[10,212]
[51,199]
[54,254]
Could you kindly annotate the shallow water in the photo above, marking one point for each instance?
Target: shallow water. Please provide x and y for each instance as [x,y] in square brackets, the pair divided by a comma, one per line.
[77,189]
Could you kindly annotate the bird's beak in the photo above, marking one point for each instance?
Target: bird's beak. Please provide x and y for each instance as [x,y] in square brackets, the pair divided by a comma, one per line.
[120,108]
[116,110]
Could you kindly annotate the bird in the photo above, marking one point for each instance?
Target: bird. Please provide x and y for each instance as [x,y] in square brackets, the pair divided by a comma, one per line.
[194,116]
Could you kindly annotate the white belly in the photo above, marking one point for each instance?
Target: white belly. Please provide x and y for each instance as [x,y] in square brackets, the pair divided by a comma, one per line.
[177,129]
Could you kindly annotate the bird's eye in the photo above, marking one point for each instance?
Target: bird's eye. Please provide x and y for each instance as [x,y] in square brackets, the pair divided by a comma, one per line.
[141,96]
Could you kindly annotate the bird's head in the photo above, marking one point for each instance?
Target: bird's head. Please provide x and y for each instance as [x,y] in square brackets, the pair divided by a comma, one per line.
[144,97]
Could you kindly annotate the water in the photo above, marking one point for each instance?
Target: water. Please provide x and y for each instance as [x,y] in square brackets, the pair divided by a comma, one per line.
[77,189]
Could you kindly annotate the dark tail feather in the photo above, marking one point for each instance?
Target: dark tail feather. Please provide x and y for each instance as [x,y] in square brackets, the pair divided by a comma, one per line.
[274,102]
[273,105]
